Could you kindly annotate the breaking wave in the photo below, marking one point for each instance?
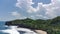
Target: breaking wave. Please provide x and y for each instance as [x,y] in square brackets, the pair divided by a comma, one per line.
[15,30]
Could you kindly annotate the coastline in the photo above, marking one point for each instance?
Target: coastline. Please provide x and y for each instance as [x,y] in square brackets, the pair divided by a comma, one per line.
[30,30]
[36,31]
[22,28]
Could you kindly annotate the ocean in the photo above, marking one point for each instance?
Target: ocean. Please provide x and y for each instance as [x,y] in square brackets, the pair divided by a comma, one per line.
[13,29]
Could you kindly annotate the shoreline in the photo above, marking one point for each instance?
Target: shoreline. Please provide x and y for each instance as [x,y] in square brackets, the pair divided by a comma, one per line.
[34,30]
[37,31]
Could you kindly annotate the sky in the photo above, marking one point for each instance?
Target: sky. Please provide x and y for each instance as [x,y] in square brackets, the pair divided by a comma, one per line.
[34,9]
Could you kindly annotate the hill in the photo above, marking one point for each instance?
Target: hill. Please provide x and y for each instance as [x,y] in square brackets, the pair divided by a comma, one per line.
[51,26]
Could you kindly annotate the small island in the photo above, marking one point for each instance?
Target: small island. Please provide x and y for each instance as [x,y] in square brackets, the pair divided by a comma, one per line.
[51,26]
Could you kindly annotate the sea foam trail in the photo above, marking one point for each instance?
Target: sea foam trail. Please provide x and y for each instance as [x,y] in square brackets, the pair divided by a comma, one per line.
[27,31]
[14,30]
[11,30]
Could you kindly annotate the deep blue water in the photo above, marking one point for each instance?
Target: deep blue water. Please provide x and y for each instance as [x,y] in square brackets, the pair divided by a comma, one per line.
[2,27]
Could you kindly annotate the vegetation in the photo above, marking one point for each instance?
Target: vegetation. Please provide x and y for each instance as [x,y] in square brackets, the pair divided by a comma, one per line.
[51,26]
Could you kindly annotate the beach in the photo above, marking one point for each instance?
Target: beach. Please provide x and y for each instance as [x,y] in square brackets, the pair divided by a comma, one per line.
[41,32]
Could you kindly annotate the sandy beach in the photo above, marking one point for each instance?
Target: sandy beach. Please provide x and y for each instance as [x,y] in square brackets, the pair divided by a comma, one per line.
[41,32]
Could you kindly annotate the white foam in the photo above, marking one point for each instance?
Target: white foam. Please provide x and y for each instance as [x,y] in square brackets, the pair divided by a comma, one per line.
[28,31]
[14,30]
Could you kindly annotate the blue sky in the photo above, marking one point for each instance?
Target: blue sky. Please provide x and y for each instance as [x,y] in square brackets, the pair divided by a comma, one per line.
[19,9]
[5,7]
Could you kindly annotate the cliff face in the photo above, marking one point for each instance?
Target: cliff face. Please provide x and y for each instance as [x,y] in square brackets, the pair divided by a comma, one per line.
[52,26]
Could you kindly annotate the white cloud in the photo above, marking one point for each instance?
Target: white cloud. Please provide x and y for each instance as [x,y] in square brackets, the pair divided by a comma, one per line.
[26,4]
[42,17]
[53,8]
[16,14]
[46,10]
